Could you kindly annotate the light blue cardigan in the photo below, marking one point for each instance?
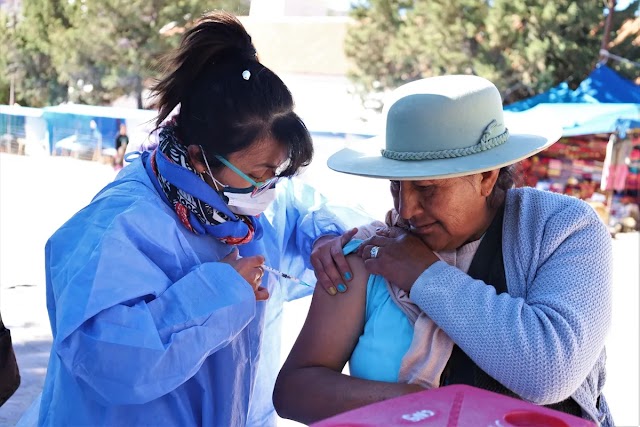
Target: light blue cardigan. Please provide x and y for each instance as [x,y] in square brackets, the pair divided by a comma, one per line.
[544,340]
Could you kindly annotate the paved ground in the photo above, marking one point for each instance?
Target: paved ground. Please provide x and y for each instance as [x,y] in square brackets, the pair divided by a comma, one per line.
[38,194]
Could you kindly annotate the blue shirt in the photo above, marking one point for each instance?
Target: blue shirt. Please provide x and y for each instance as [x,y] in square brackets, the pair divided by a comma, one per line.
[387,333]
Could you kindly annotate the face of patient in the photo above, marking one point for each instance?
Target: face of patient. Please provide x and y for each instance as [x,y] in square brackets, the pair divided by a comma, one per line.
[445,213]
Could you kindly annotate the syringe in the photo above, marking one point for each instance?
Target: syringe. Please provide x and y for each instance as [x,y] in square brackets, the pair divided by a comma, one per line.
[285,275]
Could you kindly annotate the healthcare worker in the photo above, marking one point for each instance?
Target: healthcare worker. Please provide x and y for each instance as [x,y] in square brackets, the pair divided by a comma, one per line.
[160,307]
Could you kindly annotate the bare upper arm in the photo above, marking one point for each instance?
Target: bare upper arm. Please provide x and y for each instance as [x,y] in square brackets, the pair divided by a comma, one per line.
[333,325]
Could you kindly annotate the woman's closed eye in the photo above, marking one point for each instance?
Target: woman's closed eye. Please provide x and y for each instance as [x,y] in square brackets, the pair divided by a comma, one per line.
[425,188]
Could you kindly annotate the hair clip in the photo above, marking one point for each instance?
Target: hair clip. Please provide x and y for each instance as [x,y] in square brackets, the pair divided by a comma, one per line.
[246,74]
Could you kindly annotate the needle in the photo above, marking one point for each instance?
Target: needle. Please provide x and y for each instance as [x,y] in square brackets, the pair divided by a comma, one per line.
[281,274]
[285,275]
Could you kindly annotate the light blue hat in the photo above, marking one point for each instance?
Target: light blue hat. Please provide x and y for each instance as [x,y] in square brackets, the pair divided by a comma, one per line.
[443,127]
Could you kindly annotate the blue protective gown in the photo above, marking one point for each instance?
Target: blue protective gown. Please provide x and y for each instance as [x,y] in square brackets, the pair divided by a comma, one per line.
[149,329]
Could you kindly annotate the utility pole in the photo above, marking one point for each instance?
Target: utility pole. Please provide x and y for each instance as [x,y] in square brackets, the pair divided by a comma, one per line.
[611,5]
[12,89]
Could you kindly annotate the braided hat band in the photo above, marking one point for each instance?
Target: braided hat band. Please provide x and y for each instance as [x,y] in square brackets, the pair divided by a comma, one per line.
[486,142]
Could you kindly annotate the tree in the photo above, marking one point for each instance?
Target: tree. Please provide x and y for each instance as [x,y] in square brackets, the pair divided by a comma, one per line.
[94,51]
[537,44]
[36,78]
[129,37]
[625,39]
[524,46]
[5,54]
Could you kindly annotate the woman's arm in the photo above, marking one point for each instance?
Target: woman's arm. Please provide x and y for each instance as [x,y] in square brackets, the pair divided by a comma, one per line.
[310,385]
[542,342]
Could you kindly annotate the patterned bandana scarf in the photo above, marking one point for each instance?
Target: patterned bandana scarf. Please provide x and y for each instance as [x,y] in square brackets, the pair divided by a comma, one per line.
[200,209]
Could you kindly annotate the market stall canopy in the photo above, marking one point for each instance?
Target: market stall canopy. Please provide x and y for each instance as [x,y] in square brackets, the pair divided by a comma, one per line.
[74,120]
[26,125]
[603,85]
[557,94]
[607,86]
[17,110]
[581,119]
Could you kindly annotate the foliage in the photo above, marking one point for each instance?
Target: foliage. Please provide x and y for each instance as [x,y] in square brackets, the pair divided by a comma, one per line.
[29,56]
[94,51]
[524,46]
[624,42]
[5,53]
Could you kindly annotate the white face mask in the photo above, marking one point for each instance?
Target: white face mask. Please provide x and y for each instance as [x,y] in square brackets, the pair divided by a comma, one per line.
[244,204]
[241,201]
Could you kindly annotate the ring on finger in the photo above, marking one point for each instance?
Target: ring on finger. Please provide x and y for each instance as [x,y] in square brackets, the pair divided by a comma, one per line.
[374,251]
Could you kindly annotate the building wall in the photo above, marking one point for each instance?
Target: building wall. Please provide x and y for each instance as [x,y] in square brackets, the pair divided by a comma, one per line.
[273,8]
[307,52]
[307,45]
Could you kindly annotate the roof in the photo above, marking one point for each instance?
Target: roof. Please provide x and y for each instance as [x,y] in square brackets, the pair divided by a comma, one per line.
[16,110]
[100,111]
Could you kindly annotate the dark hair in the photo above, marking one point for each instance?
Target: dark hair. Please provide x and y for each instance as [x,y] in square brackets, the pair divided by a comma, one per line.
[507,179]
[220,109]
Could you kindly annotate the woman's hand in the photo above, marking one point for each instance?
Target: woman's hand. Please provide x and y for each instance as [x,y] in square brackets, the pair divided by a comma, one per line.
[400,256]
[250,268]
[329,263]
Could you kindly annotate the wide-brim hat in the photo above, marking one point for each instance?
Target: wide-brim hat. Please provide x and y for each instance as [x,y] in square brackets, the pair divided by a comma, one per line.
[444,127]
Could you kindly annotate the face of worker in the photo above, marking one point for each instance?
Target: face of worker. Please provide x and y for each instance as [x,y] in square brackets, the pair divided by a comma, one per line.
[445,213]
[260,161]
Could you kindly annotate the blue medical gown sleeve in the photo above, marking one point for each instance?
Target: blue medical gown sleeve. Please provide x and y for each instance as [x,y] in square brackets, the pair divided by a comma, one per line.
[301,215]
[138,320]
[318,216]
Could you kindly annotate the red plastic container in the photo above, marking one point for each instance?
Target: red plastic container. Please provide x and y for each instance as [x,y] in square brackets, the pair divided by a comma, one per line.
[454,406]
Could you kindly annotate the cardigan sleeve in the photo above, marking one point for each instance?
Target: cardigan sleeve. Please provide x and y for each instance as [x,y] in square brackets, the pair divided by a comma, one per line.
[543,338]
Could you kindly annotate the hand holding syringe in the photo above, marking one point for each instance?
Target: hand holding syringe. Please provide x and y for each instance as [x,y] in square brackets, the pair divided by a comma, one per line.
[283,275]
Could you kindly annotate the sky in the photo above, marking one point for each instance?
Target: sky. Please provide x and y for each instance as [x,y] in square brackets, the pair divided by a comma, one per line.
[344,4]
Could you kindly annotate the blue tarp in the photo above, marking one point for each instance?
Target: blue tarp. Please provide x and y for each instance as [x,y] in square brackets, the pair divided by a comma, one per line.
[24,123]
[606,86]
[603,85]
[557,94]
[13,119]
[604,102]
[74,120]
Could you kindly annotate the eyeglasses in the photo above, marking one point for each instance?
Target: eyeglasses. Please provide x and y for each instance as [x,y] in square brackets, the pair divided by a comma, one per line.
[258,187]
